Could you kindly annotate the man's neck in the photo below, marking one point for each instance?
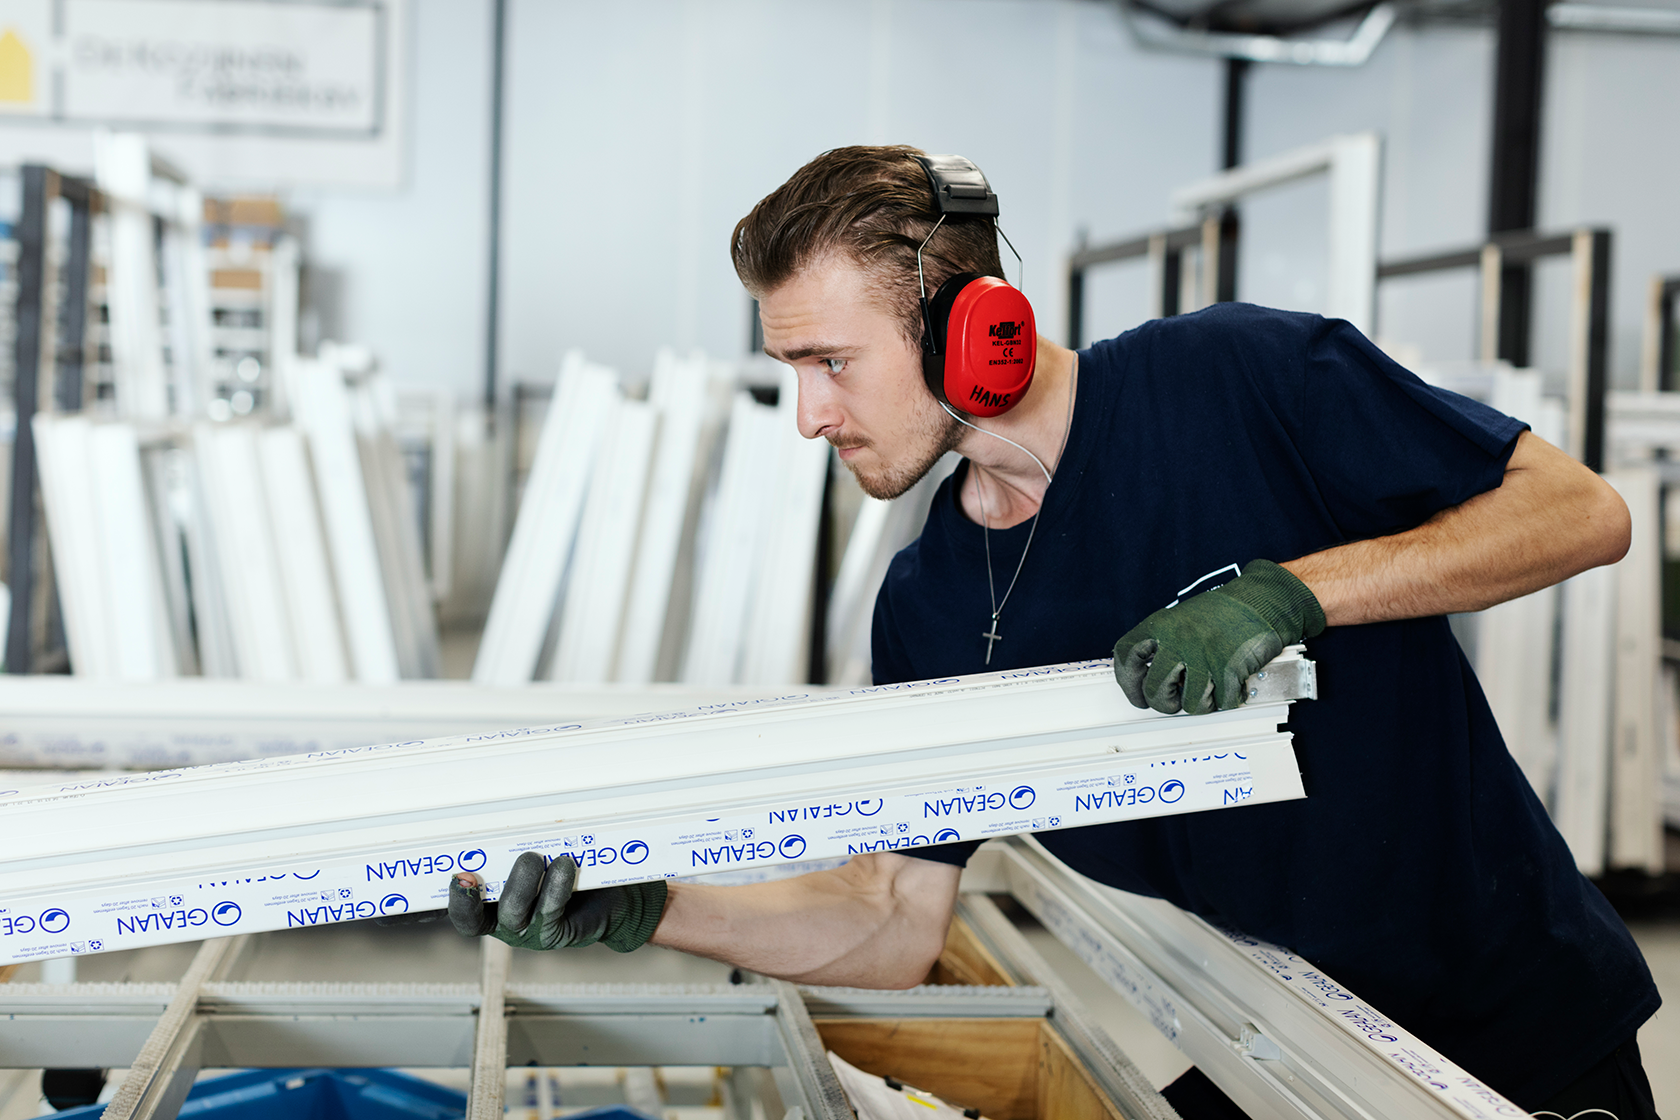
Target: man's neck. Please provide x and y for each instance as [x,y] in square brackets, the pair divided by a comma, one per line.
[1005,487]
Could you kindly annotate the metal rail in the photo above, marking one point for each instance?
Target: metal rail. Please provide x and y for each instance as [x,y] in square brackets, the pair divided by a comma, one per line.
[1271,1031]
[1589,362]
[164,1070]
[1590,250]
[1280,1038]
[489,1068]
[1657,372]
[48,371]
[1353,165]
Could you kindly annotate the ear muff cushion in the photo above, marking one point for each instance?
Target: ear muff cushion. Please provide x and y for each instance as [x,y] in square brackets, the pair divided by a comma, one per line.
[987,340]
[934,330]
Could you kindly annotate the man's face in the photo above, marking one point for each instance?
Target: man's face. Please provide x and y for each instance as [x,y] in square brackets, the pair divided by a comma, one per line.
[860,380]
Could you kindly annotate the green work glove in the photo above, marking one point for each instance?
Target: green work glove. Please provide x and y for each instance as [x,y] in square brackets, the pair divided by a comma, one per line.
[1195,656]
[538,910]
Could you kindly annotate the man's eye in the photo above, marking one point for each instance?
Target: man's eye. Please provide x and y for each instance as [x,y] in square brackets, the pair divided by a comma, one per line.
[835,365]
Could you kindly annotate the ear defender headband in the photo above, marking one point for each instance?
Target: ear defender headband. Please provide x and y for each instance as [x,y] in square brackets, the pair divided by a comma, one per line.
[979,338]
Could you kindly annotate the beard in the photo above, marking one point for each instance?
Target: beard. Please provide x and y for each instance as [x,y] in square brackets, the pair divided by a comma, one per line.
[928,443]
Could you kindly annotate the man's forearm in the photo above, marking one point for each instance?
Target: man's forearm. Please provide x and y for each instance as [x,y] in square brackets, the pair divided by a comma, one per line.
[1550,518]
[878,922]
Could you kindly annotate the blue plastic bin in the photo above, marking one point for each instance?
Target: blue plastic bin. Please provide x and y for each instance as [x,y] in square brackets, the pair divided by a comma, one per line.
[312,1094]
[329,1094]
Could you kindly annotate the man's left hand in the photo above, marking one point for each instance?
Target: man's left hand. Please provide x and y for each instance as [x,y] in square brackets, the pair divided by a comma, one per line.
[539,909]
[1196,656]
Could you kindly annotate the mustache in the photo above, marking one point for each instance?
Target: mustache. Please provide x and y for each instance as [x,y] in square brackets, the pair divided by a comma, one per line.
[845,443]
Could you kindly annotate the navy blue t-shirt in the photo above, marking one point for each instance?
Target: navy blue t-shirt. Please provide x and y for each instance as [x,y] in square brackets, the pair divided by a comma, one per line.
[1420,870]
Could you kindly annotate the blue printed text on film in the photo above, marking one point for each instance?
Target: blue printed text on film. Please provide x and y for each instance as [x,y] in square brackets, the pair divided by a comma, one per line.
[1125,797]
[789,847]
[1021,797]
[325,915]
[896,843]
[47,921]
[863,807]
[440,864]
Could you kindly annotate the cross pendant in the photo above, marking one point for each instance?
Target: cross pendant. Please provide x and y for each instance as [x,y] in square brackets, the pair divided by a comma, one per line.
[994,636]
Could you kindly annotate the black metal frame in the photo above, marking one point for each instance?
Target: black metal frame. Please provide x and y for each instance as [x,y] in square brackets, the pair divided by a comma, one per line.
[1668,378]
[1514,174]
[29,570]
[1173,242]
[1231,156]
[493,262]
[1518,253]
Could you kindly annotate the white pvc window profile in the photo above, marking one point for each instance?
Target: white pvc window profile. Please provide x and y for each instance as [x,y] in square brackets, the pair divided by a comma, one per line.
[338,835]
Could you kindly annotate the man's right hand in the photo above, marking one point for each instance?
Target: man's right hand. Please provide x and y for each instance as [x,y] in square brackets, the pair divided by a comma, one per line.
[539,909]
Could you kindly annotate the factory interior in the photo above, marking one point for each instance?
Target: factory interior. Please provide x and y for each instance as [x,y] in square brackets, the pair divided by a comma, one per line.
[405,471]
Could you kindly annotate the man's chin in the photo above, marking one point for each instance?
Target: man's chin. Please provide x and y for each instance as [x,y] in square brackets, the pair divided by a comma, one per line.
[884,485]
[885,481]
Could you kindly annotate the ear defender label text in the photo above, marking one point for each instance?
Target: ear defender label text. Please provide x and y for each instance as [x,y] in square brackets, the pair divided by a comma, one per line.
[989,399]
[1007,343]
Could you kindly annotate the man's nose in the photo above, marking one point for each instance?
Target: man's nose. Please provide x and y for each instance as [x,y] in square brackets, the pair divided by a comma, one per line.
[818,413]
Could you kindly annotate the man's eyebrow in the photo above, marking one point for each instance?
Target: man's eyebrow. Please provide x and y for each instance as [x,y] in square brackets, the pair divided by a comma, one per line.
[821,350]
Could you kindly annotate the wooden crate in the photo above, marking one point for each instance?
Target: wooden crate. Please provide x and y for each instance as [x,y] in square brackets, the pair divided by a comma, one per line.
[1009,1069]
[965,960]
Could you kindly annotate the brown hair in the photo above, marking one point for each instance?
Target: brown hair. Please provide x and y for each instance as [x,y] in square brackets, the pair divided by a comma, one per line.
[874,204]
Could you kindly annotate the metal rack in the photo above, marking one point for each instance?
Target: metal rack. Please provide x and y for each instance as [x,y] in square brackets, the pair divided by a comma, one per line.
[1353,167]
[51,331]
[1589,365]
[1241,1009]
[1657,370]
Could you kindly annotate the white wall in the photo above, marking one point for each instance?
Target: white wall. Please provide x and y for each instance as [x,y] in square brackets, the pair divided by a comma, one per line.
[404,272]
[1608,156]
[638,132]
[1612,157]
[1428,94]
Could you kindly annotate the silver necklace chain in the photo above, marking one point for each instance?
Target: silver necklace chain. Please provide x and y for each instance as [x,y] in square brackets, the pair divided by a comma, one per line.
[992,636]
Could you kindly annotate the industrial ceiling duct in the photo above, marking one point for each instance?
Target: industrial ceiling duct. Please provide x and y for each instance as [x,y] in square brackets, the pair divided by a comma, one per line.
[1258,30]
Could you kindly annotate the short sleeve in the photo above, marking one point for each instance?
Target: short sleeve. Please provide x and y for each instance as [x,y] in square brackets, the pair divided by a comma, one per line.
[1386,450]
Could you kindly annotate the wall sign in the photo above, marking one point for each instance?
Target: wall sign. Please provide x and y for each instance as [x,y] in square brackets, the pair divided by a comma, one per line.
[223,85]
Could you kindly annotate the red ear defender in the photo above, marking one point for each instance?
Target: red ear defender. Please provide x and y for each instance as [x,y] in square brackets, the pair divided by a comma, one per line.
[982,344]
[979,341]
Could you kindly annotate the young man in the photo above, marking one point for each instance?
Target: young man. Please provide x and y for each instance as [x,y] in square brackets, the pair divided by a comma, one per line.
[1359,507]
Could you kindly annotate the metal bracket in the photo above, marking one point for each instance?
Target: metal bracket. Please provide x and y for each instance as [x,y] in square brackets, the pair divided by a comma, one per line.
[1290,676]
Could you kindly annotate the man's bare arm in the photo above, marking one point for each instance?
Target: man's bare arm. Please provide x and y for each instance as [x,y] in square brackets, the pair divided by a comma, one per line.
[877,922]
[1549,519]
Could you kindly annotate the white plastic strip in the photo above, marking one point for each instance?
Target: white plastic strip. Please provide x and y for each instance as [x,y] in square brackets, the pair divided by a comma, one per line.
[732,542]
[1636,826]
[396,529]
[1587,645]
[62,723]
[775,644]
[250,562]
[593,613]
[305,840]
[311,600]
[323,412]
[142,648]
[72,525]
[529,585]
[679,391]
